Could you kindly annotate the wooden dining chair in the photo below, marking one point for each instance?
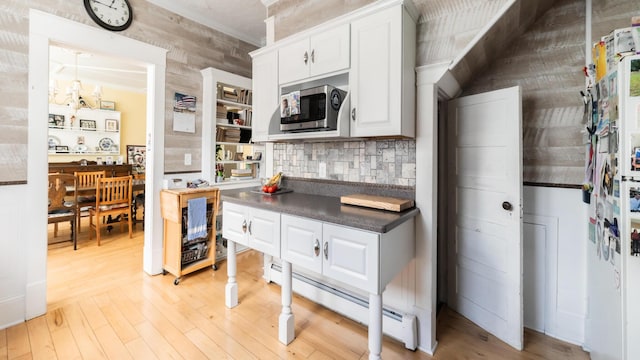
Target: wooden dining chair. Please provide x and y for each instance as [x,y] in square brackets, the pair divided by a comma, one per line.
[63,200]
[138,201]
[113,200]
[87,181]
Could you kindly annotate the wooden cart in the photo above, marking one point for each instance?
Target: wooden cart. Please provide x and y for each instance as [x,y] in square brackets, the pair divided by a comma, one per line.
[180,256]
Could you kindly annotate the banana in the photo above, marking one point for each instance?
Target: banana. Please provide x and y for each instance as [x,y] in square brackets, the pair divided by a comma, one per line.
[274,179]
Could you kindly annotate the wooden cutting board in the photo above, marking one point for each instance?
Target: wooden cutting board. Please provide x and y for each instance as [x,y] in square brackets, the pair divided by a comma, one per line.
[377,202]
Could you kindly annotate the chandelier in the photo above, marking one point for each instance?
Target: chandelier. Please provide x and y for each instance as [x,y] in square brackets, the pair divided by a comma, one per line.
[73,94]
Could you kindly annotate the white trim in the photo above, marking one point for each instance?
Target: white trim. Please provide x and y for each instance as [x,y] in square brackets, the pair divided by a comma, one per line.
[440,74]
[46,29]
[550,225]
[427,201]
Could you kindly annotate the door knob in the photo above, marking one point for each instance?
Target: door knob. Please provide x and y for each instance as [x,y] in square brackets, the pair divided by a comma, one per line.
[507,206]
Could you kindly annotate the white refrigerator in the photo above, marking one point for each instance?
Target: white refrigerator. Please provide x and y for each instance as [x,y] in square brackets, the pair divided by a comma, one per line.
[613,250]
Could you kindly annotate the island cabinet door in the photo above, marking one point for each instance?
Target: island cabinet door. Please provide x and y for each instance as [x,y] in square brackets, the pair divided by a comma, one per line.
[264,231]
[302,242]
[351,256]
[235,225]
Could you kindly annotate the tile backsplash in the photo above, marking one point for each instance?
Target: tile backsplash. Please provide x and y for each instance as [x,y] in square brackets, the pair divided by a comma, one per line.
[376,161]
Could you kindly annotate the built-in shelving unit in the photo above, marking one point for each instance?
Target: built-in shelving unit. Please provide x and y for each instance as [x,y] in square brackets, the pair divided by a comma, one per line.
[227,122]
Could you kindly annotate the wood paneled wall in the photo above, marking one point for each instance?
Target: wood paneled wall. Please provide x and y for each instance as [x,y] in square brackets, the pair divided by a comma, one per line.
[191,47]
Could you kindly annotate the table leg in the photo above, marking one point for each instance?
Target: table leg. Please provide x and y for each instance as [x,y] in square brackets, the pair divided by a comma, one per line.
[375,326]
[231,290]
[286,323]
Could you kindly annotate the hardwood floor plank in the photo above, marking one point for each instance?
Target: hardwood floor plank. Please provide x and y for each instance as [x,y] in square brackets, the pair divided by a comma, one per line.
[112,345]
[64,344]
[82,331]
[158,344]
[172,334]
[121,326]
[92,313]
[18,341]
[208,346]
[139,349]
[40,339]
[3,344]
[126,307]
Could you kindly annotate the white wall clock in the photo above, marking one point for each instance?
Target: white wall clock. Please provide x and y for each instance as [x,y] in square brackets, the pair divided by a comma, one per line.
[114,15]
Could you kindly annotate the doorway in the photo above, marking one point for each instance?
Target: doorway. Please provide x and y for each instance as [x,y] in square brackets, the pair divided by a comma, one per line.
[87,92]
[46,29]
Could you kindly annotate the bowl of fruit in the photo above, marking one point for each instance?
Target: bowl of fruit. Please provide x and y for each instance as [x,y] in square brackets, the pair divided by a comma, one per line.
[272,184]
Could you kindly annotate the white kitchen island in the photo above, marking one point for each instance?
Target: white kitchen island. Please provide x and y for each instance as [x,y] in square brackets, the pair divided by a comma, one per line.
[360,248]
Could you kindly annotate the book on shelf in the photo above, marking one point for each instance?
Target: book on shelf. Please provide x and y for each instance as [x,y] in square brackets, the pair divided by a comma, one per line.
[240,96]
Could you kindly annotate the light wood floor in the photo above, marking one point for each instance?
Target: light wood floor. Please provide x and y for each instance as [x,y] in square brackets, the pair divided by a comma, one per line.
[101,305]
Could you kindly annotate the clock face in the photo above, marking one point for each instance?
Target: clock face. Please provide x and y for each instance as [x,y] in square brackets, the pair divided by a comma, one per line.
[113,15]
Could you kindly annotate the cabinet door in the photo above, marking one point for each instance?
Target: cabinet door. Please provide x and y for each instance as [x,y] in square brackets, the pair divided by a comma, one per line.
[294,61]
[375,79]
[234,223]
[265,94]
[329,51]
[351,256]
[264,231]
[302,242]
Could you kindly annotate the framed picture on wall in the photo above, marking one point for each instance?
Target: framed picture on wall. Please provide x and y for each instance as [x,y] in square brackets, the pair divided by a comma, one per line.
[111,125]
[136,156]
[107,105]
[56,121]
[88,125]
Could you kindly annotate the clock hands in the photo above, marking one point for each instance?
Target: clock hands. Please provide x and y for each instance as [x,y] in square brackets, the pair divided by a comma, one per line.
[101,3]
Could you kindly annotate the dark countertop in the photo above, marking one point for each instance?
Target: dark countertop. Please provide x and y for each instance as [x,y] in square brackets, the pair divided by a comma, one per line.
[321,207]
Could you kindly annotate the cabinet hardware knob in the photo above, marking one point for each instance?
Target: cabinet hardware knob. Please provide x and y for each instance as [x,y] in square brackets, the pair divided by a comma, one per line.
[244,226]
[353,114]
[507,206]
[306,57]
[326,250]
[250,227]
[313,55]
[316,247]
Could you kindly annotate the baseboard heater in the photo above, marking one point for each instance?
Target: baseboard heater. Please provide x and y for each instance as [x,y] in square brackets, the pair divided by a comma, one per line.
[402,327]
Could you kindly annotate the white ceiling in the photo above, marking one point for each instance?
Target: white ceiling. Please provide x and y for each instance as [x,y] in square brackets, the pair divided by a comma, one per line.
[242,19]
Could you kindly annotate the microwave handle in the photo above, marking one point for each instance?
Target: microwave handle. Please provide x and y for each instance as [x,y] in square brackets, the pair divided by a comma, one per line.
[353,114]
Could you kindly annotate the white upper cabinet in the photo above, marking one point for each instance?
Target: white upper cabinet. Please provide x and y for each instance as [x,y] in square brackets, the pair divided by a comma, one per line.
[370,53]
[319,54]
[265,93]
[382,75]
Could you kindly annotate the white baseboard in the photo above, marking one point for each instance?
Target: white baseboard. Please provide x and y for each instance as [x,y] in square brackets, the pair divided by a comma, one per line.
[400,326]
[12,311]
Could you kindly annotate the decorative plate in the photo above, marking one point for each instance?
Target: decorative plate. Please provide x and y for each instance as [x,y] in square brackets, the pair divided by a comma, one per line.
[105,144]
[53,141]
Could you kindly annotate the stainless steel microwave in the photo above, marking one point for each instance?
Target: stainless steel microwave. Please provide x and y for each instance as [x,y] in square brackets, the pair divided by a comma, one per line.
[313,109]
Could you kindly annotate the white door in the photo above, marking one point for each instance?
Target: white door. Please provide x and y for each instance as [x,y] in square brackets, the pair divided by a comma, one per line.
[485,216]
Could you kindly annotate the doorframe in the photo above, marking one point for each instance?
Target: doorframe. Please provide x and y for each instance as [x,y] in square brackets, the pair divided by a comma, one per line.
[46,29]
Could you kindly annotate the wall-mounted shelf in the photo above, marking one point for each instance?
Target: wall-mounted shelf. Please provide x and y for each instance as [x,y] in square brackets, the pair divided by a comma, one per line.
[83,132]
